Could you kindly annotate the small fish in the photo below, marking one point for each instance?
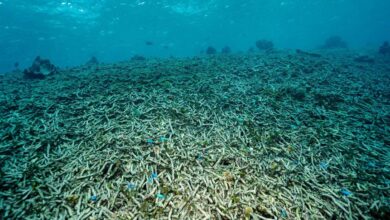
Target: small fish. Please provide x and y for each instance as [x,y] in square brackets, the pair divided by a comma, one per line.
[149,43]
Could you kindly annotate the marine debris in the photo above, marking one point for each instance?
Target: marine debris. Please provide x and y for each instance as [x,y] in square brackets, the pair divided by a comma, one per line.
[40,69]
[251,136]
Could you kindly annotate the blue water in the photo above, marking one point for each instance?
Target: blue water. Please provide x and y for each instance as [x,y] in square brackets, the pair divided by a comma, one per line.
[70,32]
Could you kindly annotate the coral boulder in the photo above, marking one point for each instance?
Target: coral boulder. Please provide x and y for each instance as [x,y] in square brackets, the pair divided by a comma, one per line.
[40,69]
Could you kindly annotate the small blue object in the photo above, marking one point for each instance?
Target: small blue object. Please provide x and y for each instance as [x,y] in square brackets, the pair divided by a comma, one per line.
[160,196]
[152,177]
[93,198]
[130,186]
[324,165]
[163,139]
[283,213]
[345,192]
[150,141]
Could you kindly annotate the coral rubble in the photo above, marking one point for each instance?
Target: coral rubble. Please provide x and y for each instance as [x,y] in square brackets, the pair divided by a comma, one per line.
[244,136]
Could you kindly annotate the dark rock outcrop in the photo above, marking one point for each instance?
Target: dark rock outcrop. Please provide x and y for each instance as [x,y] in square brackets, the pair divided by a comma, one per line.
[92,62]
[40,69]
[264,45]
[385,48]
[211,50]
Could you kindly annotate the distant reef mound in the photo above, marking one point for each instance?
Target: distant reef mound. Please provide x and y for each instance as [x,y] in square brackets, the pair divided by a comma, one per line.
[265,45]
[39,69]
[385,48]
[334,42]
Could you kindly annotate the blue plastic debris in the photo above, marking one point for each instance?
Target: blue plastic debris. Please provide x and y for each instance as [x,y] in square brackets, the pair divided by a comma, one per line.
[324,165]
[130,186]
[160,196]
[94,198]
[150,141]
[345,192]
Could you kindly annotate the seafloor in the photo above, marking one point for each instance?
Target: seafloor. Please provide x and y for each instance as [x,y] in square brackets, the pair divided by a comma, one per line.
[255,136]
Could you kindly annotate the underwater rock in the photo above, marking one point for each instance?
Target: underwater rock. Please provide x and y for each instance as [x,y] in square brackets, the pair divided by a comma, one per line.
[226,50]
[334,42]
[364,59]
[385,48]
[40,69]
[264,45]
[211,50]
[92,62]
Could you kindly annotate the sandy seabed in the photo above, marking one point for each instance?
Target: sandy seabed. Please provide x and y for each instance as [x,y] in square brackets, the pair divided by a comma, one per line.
[256,136]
